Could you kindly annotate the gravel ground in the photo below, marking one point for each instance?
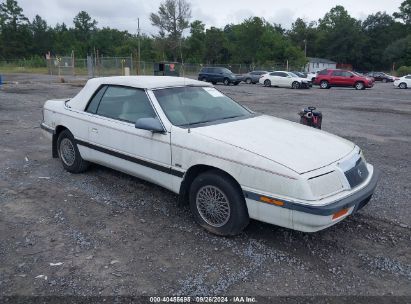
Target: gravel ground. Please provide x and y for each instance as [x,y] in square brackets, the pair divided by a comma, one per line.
[106,233]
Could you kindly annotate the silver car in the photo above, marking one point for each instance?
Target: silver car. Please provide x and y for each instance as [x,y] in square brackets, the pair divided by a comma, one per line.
[253,77]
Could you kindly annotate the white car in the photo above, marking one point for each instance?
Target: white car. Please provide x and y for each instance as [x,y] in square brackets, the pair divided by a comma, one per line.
[284,79]
[403,82]
[229,163]
[311,76]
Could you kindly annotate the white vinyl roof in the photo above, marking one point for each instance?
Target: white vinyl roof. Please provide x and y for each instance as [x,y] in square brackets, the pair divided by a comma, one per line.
[142,82]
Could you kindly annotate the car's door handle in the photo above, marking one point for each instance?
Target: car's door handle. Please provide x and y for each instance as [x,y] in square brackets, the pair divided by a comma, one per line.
[94,130]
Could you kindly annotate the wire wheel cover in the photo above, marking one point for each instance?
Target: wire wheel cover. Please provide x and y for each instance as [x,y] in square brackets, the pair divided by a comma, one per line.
[213,206]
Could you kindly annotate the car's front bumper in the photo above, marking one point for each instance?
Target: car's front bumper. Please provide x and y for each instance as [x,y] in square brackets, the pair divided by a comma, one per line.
[309,218]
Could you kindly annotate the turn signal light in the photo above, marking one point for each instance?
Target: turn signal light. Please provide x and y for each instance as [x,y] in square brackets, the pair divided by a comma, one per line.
[271,201]
[340,213]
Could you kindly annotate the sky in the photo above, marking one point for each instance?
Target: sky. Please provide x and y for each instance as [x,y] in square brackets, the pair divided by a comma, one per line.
[123,14]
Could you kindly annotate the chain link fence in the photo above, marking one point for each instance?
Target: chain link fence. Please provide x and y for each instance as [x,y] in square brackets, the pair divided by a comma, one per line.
[116,66]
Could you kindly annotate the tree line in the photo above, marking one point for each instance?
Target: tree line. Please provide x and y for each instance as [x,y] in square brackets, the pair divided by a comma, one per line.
[376,43]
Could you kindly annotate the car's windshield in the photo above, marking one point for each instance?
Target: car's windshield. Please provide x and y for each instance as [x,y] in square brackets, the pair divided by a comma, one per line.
[193,105]
[292,74]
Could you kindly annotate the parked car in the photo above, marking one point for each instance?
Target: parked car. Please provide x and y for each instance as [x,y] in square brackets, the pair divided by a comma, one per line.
[380,76]
[303,75]
[299,74]
[311,76]
[218,74]
[253,77]
[342,78]
[284,79]
[229,163]
[403,82]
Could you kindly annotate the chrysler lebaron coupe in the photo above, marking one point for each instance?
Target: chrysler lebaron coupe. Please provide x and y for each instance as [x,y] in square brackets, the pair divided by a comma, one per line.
[229,163]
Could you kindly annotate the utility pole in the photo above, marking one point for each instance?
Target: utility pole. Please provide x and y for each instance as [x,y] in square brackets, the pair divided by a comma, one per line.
[305,47]
[138,54]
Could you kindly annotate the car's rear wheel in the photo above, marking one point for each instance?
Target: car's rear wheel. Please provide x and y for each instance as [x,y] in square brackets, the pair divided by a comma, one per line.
[295,85]
[267,83]
[226,81]
[236,83]
[359,86]
[384,80]
[218,204]
[402,85]
[203,79]
[214,83]
[69,153]
[248,81]
[324,84]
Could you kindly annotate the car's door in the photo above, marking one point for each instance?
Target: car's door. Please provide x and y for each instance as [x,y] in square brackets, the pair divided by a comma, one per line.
[274,78]
[284,80]
[336,78]
[348,78]
[117,143]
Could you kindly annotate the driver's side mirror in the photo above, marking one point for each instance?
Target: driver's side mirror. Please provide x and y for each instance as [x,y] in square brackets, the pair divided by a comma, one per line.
[150,124]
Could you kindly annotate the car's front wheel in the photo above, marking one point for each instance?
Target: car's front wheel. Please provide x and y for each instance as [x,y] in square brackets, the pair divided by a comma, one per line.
[402,85]
[218,204]
[267,83]
[248,81]
[69,153]
[324,84]
[226,81]
[359,86]
[295,85]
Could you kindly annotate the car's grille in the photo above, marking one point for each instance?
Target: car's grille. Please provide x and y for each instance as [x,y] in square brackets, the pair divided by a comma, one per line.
[357,174]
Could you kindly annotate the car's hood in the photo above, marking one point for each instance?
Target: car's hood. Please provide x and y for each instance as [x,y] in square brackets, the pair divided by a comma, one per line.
[297,147]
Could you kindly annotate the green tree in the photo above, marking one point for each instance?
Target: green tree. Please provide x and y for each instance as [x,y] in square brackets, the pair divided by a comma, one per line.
[15,39]
[215,46]
[195,44]
[42,36]
[405,12]
[340,37]
[84,28]
[172,19]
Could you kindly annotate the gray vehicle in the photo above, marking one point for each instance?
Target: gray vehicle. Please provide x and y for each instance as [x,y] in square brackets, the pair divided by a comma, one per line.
[219,74]
[253,77]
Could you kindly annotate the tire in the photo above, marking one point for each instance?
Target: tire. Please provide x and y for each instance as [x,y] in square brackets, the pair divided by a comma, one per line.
[295,85]
[236,83]
[324,84]
[384,80]
[233,210]
[267,83]
[226,81]
[402,85]
[248,81]
[214,82]
[359,86]
[69,154]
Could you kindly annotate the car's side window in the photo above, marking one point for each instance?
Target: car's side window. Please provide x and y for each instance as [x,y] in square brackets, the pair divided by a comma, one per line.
[346,74]
[408,77]
[127,104]
[337,73]
[273,74]
[95,100]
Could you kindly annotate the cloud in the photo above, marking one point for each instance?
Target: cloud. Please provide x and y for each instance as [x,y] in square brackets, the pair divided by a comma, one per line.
[123,14]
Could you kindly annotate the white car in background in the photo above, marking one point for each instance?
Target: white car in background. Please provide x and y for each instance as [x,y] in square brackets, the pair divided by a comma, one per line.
[311,76]
[403,82]
[229,163]
[284,79]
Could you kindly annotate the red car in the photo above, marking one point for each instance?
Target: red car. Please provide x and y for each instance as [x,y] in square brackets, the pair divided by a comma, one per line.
[342,78]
